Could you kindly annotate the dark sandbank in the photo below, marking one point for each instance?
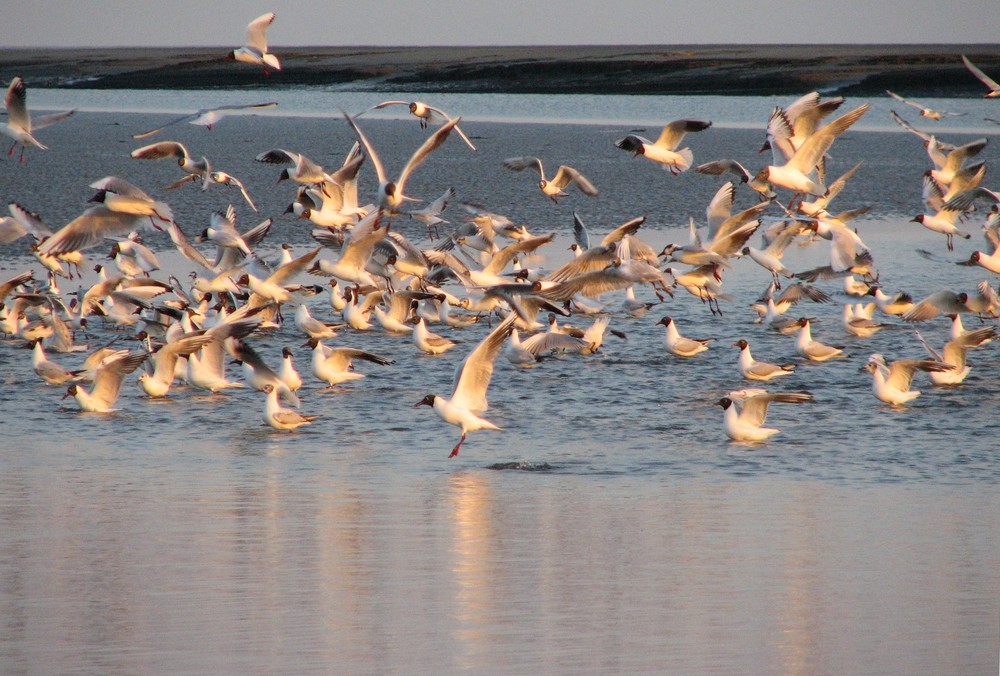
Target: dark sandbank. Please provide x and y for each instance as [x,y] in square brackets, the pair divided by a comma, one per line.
[858,70]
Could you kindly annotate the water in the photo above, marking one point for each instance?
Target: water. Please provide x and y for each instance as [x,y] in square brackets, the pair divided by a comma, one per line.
[610,526]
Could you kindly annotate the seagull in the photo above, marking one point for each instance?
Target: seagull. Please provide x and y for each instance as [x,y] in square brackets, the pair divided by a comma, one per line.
[333,365]
[279,417]
[929,141]
[156,382]
[664,150]
[19,125]
[107,382]
[472,379]
[430,215]
[87,230]
[306,171]
[720,167]
[312,327]
[858,319]
[929,113]
[425,112]
[356,253]
[891,304]
[49,371]
[795,173]
[428,341]
[120,196]
[954,159]
[751,369]
[939,302]
[288,374]
[258,374]
[564,176]
[814,350]
[679,345]
[994,87]
[206,117]
[954,353]
[196,169]
[392,193]
[891,381]
[769,258]
[744,422]
[255,49]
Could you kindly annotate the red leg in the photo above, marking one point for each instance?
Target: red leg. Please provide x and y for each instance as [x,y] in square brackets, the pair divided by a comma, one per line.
[454,451]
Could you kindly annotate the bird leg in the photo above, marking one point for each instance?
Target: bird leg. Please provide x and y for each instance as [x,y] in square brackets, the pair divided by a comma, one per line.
[454,451]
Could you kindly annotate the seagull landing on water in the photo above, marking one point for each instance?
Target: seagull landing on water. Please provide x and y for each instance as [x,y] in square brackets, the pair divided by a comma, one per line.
[472,379]
[746,412]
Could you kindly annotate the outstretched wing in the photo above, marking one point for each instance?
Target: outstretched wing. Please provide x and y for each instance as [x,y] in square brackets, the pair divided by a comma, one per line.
[472,378]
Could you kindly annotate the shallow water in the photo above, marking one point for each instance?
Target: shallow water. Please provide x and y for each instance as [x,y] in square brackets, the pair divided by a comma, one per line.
[610,527]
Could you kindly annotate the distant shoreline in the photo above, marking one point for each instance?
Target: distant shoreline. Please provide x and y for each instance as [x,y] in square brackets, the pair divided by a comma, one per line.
[859,70]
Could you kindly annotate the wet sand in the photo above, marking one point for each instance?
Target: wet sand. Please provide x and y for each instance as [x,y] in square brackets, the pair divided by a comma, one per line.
[918,70]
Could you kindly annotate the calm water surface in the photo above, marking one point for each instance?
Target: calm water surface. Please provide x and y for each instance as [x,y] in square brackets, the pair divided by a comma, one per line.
[610,527]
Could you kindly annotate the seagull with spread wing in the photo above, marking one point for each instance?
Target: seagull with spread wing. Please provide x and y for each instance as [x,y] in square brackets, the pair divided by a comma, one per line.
[19,125]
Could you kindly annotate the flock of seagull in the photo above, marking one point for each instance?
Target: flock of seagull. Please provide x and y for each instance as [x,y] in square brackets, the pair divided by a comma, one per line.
[375,278]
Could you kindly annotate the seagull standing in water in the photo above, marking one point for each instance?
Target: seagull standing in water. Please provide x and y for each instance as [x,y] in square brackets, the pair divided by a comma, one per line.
[751,369]
[678,344]
[279,417]
[472,379]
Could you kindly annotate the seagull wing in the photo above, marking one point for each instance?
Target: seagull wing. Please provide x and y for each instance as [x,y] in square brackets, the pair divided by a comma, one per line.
[425,149]
[673,132]
[111,374]
[89,229]
[983,77]
[287,272]
[46,120]
[256,31]
[525,162]
[754,409]
[176,120]
[812,150]
[17,107]
[472,378]
[158,151]
[568,174]
[31,221]
[376,162]
[580,233]
[902,100]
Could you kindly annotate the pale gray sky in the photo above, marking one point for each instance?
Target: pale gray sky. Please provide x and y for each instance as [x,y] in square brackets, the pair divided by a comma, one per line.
[106,23]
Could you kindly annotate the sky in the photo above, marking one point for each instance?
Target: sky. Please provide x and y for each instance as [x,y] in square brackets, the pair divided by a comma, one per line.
[181,23]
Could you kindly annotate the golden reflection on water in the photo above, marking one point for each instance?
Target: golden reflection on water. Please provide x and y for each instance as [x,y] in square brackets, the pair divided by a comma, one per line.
[472,562]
